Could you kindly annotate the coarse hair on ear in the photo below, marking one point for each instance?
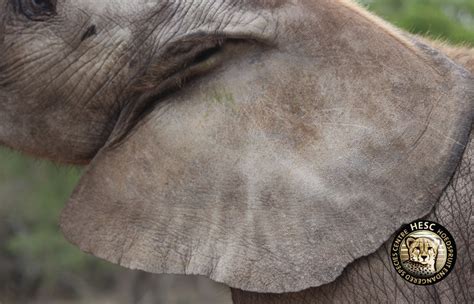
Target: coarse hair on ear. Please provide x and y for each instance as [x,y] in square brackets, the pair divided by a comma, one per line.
[462,54]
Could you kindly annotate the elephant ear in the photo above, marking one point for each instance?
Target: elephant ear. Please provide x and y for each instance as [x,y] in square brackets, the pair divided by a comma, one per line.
[282,167]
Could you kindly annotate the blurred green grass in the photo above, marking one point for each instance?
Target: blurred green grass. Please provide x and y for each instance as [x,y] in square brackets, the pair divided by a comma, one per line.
[32,193]
[452,20]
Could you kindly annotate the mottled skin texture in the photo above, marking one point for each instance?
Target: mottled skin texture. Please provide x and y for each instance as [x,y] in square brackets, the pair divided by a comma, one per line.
[373,279]
[252,142]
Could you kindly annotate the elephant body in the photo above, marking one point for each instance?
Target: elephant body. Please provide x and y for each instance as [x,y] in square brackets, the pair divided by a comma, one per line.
[274,146]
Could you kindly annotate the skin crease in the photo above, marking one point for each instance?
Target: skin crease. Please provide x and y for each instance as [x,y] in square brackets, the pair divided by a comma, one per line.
[84,85]
[261,179]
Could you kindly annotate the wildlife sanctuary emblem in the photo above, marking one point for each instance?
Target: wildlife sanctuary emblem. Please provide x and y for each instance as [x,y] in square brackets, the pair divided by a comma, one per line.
[423,252]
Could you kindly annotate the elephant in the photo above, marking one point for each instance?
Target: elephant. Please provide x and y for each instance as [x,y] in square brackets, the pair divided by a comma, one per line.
[274,146]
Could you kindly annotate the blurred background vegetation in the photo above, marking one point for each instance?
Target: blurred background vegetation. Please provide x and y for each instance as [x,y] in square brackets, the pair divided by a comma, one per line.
[38,266]
[451,20]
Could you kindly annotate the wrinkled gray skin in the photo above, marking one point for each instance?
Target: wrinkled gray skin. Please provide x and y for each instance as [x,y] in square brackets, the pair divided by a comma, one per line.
[270,145]
[373,279]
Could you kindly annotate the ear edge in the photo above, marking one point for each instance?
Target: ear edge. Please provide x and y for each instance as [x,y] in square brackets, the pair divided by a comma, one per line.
[409,241]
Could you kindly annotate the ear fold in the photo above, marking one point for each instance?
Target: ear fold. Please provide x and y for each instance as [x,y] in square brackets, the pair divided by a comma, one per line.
[409,241]
[437,241]
[276,180]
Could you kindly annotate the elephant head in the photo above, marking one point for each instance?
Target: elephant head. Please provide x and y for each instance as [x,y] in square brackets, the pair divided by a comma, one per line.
[263,144]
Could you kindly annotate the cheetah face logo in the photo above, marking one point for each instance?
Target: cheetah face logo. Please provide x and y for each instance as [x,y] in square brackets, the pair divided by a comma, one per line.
[423,250]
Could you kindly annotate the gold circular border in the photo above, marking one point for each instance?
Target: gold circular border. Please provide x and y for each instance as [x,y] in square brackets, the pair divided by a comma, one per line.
[431,227]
